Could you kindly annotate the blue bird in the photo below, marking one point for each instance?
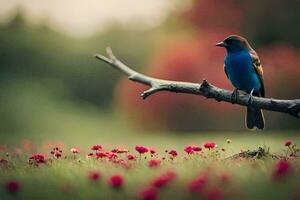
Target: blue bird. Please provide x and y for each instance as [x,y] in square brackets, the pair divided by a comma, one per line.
[244,70]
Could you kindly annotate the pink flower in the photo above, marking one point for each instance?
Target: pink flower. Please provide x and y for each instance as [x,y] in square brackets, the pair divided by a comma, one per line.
[163,179]
[96,147]
[189,149]
[116,181]
[288,143]
[210,145]
[282,169]
[141,149]
[173,153]
[154,163]
[122,151]
[12,186]
[74,150]
[94,175]
[149,193]
[101,154]
[131,157]
[197,184]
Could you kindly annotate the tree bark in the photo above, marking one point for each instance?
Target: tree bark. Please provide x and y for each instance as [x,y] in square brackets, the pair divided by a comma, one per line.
[206,89]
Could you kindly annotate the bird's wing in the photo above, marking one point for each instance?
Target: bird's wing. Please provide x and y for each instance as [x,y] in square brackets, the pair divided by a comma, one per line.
[259,70]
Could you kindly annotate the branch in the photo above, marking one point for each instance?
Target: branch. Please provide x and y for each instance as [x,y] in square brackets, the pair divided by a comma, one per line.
[206,89]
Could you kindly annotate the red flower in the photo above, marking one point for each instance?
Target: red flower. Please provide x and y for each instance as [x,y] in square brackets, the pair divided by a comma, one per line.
[74,150]
[141,149]
[116,181]
[197,184]
[189,149]
[131,157]
[149,193]
[37,159]
[213,194]
[173,153]
[154,163]
[94,175]
[101,154]
[12,186]
[111,155]
[164,179]
[288,143]
[282,169]
[210,145]
[196,148]
[96,147]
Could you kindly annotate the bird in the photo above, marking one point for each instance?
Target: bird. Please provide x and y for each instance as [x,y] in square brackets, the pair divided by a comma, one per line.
[243,68]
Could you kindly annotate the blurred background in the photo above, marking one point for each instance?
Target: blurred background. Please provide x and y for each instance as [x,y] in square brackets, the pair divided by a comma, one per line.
[52,86]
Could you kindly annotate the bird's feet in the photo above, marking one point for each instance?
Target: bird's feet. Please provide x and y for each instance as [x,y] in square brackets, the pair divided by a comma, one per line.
[250,100]
[234,96]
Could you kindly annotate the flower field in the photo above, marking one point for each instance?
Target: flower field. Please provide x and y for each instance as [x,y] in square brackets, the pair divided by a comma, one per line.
[209,170]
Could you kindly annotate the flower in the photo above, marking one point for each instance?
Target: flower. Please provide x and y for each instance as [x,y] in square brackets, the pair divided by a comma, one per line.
[189,149]
[101,154]
[94,175]
[163,179]
[37,159]
[141,149]
[173,153]
[282,169]
[111,155]
[210,145]
[197,184]
[12,186]
[116,181]
[122,151]
[131,157]
[96,147]
[74,150]
[228,141]
[149,193]
[154,163]
[196,148]
[288,143]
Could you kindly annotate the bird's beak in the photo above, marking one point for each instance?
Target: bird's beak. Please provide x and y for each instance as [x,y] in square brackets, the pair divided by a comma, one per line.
[221,44]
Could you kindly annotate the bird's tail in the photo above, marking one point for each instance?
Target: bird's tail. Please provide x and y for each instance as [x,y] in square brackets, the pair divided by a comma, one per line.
[254,118]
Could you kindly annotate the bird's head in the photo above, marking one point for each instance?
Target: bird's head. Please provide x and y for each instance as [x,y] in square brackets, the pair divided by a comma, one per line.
[234,43]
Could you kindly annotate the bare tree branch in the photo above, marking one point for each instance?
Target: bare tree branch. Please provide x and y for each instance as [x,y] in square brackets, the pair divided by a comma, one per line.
[206,89]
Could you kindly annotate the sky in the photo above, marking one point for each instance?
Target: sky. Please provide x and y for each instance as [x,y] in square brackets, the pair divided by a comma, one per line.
[84,17]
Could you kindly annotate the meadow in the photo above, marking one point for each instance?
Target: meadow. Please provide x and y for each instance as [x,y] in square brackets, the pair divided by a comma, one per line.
[119,163]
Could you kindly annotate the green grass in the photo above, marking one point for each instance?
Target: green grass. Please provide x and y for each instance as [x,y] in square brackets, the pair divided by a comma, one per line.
[67,178]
